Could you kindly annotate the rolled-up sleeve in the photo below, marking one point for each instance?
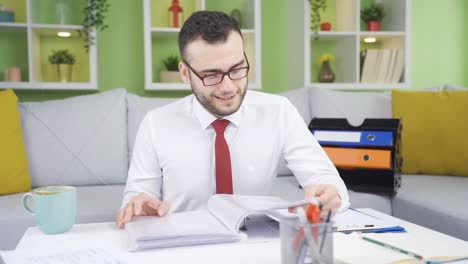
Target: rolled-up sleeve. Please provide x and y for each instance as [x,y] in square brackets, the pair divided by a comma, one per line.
[144,174]
[306,158]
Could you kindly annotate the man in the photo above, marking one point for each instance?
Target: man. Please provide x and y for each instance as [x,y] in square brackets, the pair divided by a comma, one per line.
[175,165]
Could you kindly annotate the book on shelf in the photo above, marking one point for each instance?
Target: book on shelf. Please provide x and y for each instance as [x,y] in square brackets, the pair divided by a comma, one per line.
[220,222]
[382,65]
[399,66]
[370,66]
[391,65]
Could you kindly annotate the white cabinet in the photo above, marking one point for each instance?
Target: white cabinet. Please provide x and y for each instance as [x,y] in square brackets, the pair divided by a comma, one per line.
[160,38]
[27,42]
[345,41]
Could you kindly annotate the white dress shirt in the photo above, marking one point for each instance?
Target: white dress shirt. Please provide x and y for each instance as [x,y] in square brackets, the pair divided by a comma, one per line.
[173,157]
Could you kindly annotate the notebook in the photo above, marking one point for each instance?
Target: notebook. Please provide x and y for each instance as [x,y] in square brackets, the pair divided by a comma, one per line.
[219,223]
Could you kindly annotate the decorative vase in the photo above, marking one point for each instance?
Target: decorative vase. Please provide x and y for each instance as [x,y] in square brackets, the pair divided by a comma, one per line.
[325,26]
[63,12]
[169,77]
[326,74]
[373,25]
[175,14]
[12,74]
[6,15]
[64,72]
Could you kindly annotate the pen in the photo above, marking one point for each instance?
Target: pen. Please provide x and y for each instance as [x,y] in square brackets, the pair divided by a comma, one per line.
[406,252]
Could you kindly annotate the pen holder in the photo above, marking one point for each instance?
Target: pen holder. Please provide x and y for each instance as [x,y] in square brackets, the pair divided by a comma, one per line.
[296,246]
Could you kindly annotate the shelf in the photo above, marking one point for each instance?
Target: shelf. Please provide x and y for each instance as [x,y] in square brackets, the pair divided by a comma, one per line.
[246,9]
[161,40]
[49,85]
[5,26]
[169,86]
[159,14]
[395,18]
[14,50]
[45,41]
[61,12]
[360,86]
[57,27]
[28,43]
[382,33]
[19,9]
[346,40]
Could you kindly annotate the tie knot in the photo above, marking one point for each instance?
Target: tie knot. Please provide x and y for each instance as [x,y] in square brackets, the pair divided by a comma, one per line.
[220,125]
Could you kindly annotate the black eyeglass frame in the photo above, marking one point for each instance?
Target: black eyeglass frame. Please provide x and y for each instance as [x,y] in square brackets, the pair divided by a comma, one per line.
[202,78]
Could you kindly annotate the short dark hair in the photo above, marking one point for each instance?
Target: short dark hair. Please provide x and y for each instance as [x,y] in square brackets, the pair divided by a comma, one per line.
[211,26]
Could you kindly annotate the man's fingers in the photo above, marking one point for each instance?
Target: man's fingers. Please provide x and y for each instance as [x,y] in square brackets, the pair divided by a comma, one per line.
[163,208]
[119,219]
[312,191]
[128,213]
[325,197]
[138,204]
[154,204]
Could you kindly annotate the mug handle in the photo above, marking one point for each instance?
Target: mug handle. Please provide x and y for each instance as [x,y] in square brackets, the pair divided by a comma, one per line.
[25,202]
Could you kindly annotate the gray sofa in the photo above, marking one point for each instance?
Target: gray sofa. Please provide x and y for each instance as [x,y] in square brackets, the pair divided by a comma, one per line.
[86,141]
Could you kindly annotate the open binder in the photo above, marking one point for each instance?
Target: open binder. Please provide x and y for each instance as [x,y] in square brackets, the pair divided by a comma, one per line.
[368,156]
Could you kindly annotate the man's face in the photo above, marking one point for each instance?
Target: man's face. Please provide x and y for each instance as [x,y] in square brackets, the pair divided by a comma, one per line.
[226,97]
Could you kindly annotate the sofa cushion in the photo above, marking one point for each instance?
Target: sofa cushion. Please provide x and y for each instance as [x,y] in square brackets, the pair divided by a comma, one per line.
[14,175]
[436,202]
[354,106]
[453,87]
[300,99]
[433,124]
[94,204]
[137,108]
[77,141]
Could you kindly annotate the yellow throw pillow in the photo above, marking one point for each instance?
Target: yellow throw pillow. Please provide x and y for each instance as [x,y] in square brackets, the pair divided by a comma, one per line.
[435,128]
[14,175]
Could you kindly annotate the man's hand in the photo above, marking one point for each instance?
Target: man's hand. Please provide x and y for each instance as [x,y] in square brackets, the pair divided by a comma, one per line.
[327,195]
[142,204]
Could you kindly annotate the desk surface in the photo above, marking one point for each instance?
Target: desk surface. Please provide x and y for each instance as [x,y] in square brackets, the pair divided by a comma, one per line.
[347,248]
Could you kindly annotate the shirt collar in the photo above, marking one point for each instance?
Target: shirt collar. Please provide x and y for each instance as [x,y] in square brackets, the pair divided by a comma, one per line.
[206,118]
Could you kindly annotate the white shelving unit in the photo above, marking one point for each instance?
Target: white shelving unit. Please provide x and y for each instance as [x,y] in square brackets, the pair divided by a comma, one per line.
[38,36]
[345,42]
[161,40]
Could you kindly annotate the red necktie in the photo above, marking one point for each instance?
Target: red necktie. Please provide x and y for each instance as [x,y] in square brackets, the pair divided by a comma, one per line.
[223,159]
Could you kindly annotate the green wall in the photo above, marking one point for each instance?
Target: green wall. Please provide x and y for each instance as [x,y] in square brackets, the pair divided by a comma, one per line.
[438,49]
[437,37]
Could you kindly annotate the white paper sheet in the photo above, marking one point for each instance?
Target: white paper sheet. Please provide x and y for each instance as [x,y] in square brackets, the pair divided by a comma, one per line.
[81,256]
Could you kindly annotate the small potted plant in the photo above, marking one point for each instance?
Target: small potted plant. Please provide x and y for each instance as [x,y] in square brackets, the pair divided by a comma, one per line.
[317,6]
[171,74]
[326,73]
[95,13]
[373,15]
[63,61]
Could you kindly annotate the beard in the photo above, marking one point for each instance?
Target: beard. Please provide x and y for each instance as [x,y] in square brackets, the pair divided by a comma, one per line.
[209,101]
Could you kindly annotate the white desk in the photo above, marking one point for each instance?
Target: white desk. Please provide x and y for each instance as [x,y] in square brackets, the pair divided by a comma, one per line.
[347,248]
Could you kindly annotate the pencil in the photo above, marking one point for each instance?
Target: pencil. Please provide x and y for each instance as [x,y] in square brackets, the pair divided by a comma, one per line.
[406,252]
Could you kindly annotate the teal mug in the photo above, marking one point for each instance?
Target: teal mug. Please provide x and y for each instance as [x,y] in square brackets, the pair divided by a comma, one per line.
[54,208]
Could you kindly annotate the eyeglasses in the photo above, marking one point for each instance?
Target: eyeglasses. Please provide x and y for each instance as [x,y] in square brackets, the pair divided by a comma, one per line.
[216,78]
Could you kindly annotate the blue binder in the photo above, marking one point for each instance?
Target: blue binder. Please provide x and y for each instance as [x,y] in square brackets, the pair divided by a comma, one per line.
[353,138]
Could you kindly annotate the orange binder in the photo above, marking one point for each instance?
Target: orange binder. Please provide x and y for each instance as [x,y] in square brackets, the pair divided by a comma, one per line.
[359,158]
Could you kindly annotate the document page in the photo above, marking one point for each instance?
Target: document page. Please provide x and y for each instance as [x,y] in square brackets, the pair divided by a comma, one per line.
[353,220]
[232,209]
[179,229]
[82,256]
